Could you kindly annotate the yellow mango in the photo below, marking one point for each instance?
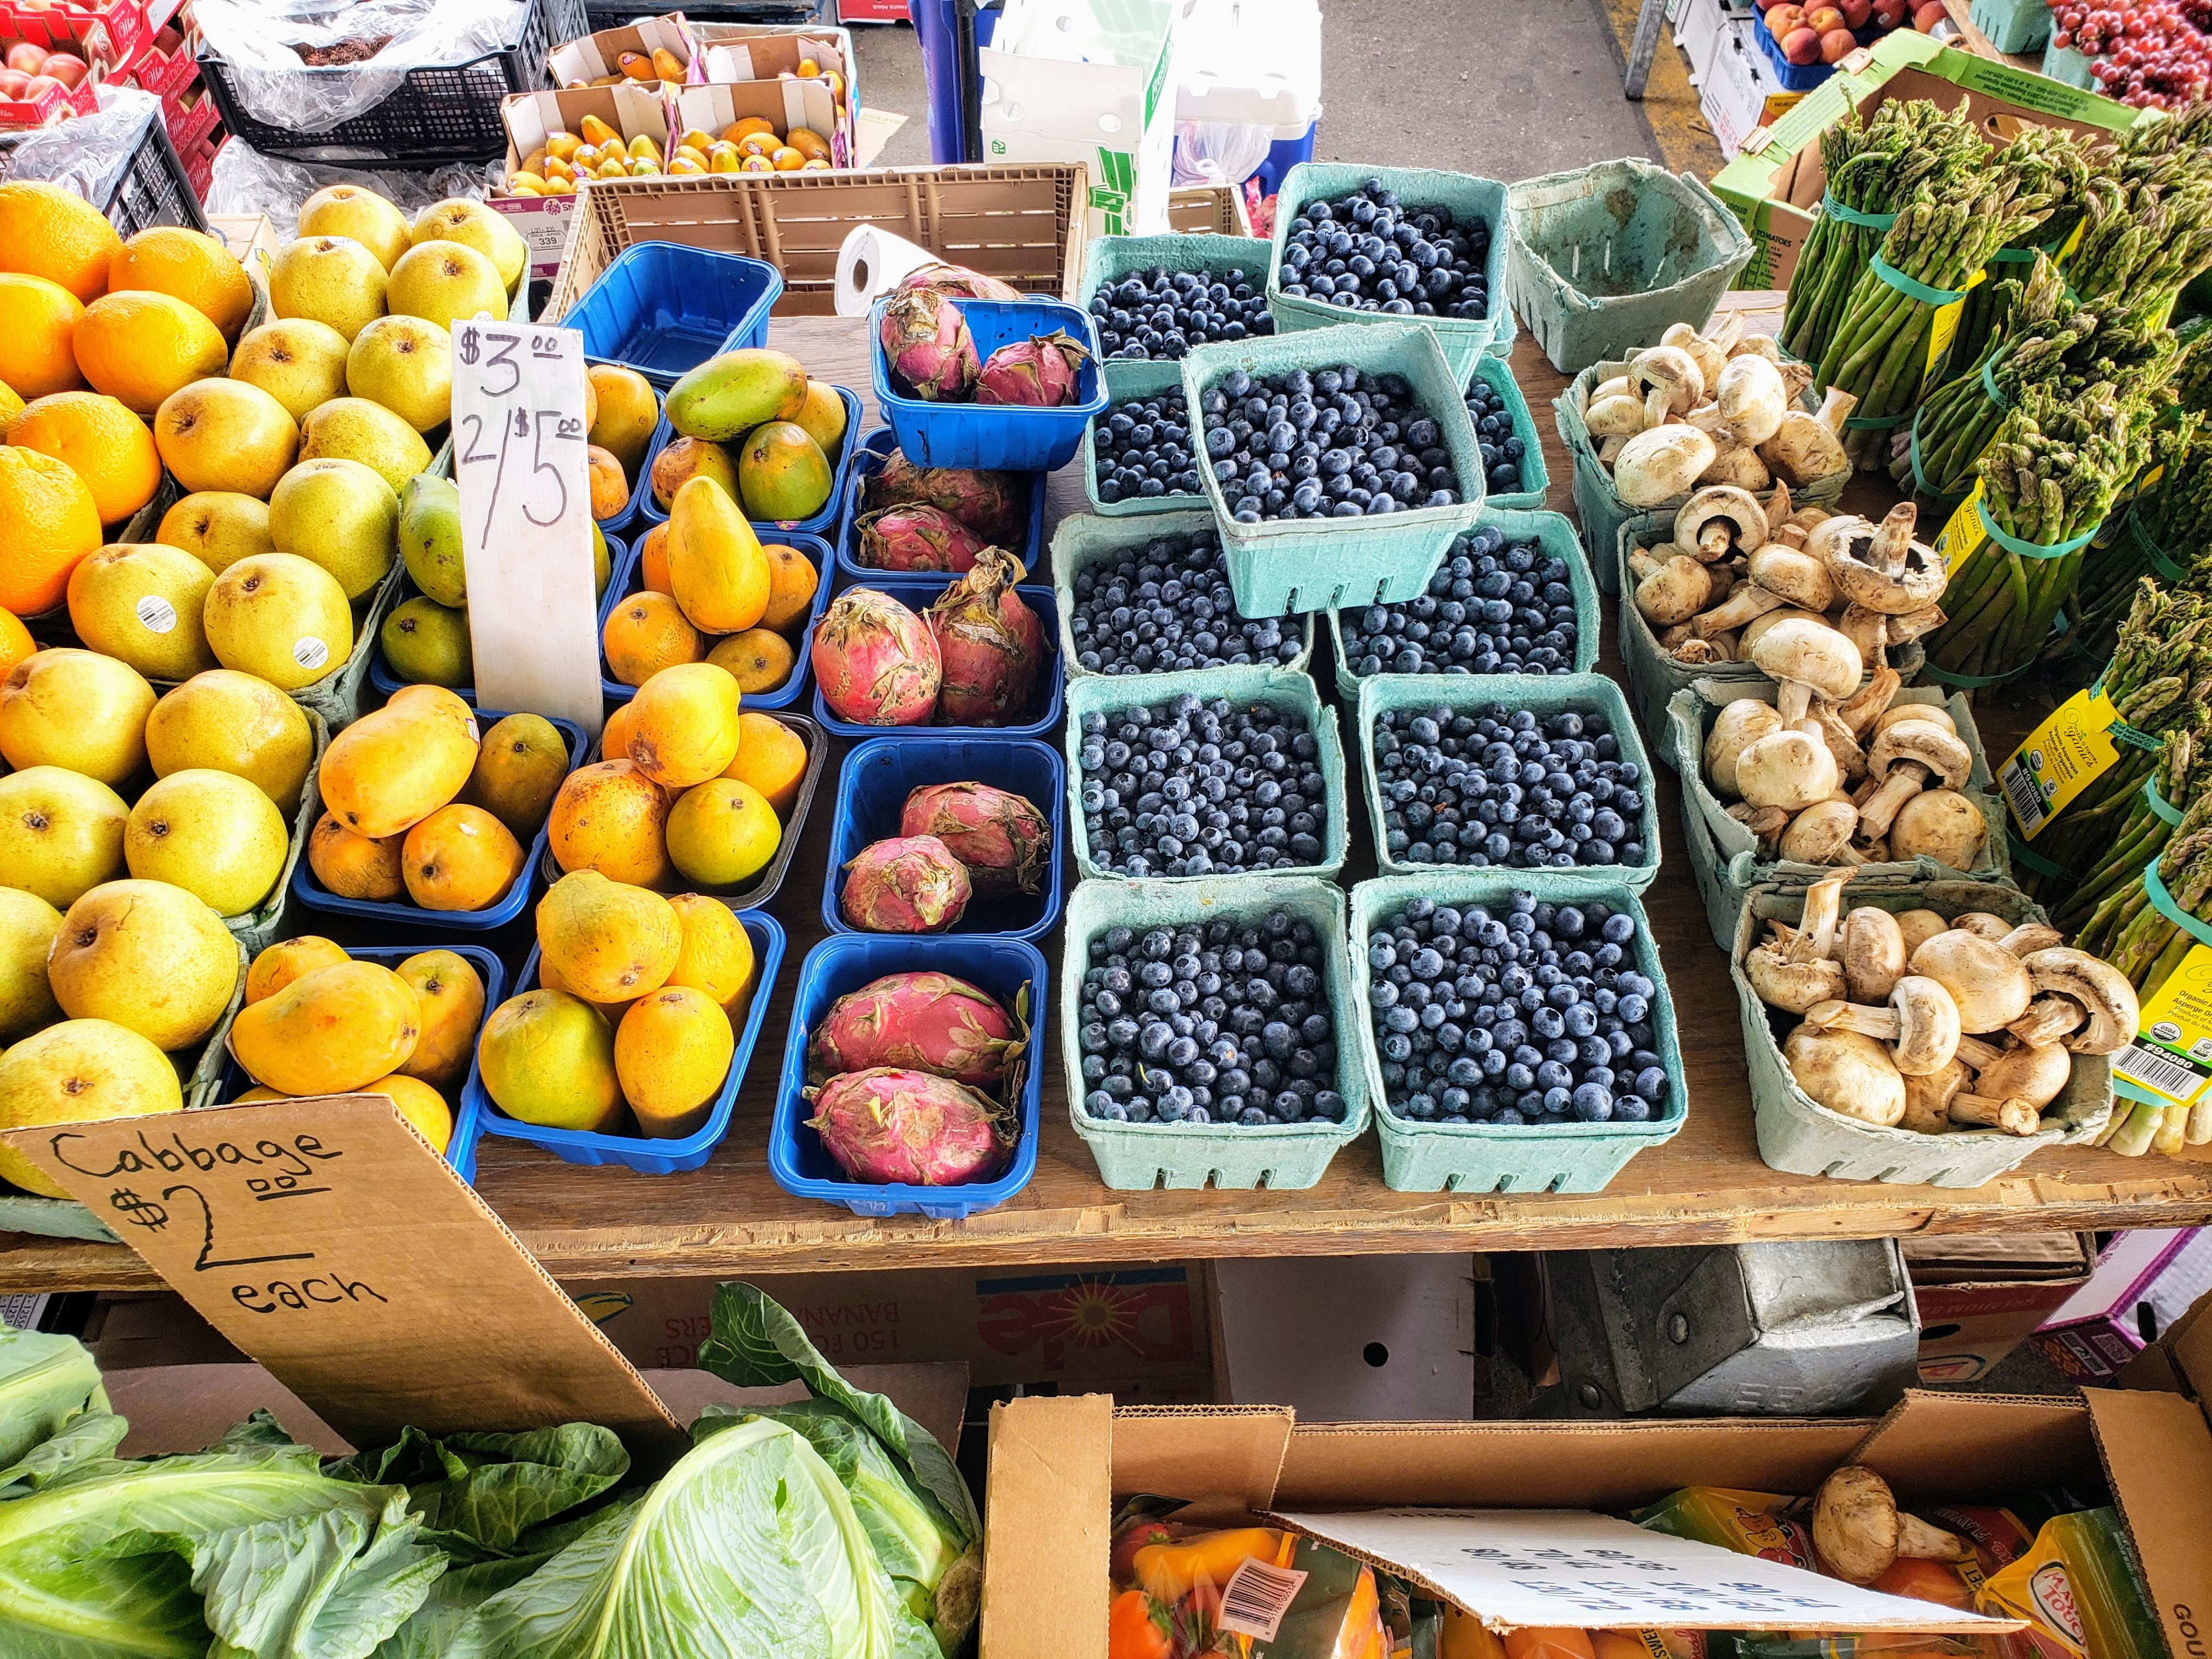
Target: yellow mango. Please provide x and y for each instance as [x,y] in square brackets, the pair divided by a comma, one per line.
[525,184]
[281,963]
[645,169]
[548,1057]
[560,187]
[684,166]
[667,66]
[562,145]
[672,1051]
[596,131]
[608,941]
[715,564]
[556,168]
[420,1104]
[683,725]
[812,145]
[329,1031]
[717,953]
[722,157]
[757,164]
[391,769]
[695,139]
[451,994]
[614,167]
[642,147]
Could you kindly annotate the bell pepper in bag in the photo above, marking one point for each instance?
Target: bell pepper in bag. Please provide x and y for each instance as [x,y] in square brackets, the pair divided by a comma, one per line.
[1749,1522]
[2077,1587]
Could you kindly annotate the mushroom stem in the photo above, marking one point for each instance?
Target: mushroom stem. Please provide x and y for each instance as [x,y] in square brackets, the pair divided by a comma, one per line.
[1904,780]
[2047,1019]
[2013,1116]
[1868,703]
[1920,1024]
[1816,929]
[1892,539]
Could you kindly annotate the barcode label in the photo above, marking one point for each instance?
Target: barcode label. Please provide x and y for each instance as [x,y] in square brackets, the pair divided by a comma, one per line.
[1255,1599]
[2176,1078]
[2023,797]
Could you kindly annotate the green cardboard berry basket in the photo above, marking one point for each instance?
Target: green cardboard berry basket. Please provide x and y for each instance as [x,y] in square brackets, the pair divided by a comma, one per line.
[1312,564]
[1480,1157]
[65,1218]
[2018,26]
[1608,257]
[1536,480]
[1095,694]
[1463,339]
[1137,1157]
[1139,507]
[1556,536]
[1800,1136]
[1081,541]
[1725,854]
[1109,259]
[259,928]
[1540,695]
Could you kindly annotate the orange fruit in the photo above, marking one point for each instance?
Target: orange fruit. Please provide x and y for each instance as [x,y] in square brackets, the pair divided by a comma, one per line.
[759,659]
[38,335]
[104,443]
[16,642]
[653,560]
[51,232]
[791,579]
[185,265]
[771,757]
[614,734]
[356,867]
[142,347]
[646,633]
[53,524]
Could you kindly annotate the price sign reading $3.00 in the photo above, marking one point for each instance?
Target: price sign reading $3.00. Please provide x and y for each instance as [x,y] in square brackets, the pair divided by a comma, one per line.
[520,438]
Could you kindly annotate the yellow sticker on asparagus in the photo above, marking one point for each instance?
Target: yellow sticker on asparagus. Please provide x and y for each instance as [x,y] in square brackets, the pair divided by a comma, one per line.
[2060,758]
[1944,326]
[1962,532]
[2170,1061]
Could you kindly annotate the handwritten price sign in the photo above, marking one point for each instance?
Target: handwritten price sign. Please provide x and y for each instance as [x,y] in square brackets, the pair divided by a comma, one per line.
[519,455]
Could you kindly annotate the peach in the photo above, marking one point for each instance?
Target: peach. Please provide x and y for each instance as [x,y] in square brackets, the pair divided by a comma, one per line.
[67,68]
[1802,46]
[1838,45]
[1822,19]
[27,57]
[1926,17]
[13,83]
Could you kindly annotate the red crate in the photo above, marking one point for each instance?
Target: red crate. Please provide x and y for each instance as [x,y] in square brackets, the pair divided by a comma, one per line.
[168,77]
[199,165]
[57,103]
[125,24]
[191,122]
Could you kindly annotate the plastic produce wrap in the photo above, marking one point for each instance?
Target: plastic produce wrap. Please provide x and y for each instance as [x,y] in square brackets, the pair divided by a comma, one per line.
[246,181]
[308,64]
[1219,152]
[1185,1592]
[88,153]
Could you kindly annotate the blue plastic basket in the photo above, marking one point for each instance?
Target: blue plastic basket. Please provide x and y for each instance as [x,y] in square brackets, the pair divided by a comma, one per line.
[845,962]
[917,594]
[644,510]
[641,485]
[316,896]
[663,309]
[881,772]
[629,578]
[638,1152]
[461,1150]
[993,435]
[380,672]
[867,460]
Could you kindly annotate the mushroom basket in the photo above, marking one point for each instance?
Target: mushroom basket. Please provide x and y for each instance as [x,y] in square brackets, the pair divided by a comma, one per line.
[1801,1136]
[1725,851]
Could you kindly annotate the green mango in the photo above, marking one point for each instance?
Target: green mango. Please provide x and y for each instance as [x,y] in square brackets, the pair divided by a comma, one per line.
[728,396]
[427,643]
[430,538]
[782,475]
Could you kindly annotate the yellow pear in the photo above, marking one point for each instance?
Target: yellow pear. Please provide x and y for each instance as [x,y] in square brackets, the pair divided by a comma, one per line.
[28,926]
[148,956]
[355,429]
[280,617]
[76,709]
[474,225]
[299,362]
[81,1070]
[140,603]
[406,364]
[355,211]
[226,434]
[548,1057]
[446,282]
[226,721]
[212,834]
[342,514]
[61,834]
[329,279]
[218,527]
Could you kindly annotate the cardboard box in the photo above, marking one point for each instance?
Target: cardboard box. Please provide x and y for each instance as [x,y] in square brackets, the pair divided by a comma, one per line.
[542,221]
[1739,93]
[742,54]
[1773,185]
[574,64]
[1343,1338]
[250,237]
[1982,1295]
[1697,32]
[2146,1282]
[782,104]
[1057,1464]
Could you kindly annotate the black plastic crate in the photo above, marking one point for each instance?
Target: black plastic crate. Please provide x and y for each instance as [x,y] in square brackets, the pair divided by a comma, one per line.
[151,190]
[439,114]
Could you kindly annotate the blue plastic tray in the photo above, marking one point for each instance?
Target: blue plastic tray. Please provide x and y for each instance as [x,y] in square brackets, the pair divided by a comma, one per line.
[644,510]
[461,1150]
[882,772]
[917,594]
[643,484]
[846,962]
[867,460]
[629,578]
[380,672]
[316,896]
[638,1152]
[663,309]
[993,435]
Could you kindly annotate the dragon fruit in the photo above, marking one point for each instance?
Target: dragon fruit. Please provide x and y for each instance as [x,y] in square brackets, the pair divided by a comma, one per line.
[926,339]
[950,281]
[909,885]
[911,537]
[924,1022]
[994,505]
[884,1125]
[1002,840]
[876,661]
[990,645]
[1042,372]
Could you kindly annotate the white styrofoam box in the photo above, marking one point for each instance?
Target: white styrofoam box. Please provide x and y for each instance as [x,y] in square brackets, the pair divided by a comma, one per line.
[542,221]
[1088,80]
[1253,63]
[1352,1339]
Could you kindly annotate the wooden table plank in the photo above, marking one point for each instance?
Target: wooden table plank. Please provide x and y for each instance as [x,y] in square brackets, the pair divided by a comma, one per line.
[1707,1185]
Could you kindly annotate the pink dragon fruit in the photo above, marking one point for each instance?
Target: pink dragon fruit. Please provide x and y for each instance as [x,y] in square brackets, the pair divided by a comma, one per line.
[1042,372]
[1002,839]
[990,645]
[923,1022]
[950,281]
[909,885]
[912,538]
[926,339]
[884,1125]
[876,661]
[994,505]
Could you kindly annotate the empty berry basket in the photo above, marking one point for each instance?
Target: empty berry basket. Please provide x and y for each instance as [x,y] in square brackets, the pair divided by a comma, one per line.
[1003,436]
[868,459]
[664,308]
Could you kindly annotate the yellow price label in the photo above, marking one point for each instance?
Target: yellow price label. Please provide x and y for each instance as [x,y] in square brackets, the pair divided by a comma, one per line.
[2171,1059]
[1945,328]
[1962,532]
[2060,758]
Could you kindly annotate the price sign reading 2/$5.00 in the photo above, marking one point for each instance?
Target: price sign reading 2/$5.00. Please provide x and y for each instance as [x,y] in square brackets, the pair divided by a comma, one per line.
[519,438]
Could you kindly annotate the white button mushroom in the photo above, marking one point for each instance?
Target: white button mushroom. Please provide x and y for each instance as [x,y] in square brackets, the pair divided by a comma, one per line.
[1861,1533]
[1917,927]
[1941,824]
[1920,1024]
[1661,463]
[1739,724]
[2014,1117]
[1872,947]
[1927,1099]
[2035,1072]
[1986,981]
[1807,659]
[1847,1073]
[2100,991]
[1909,756]
[1807,448]
[1751,401]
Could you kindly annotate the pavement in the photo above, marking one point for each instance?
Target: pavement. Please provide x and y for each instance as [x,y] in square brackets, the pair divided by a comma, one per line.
[1500,89]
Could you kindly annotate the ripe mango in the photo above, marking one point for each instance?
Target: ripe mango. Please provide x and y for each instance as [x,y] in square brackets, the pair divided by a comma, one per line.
[608,940]
[391,769]
[683,725]
[519,769]
[548,1057]
[287,960]
[610,1012]
[672,1051]
[419,1103]
[597,133]
[823,416]
[329,1031]
[430,538]
[612,818]
[727,396]
[680,462]
[717,953]
[715,565]
[782,474]
[354,867]
[460,858]
[452,995]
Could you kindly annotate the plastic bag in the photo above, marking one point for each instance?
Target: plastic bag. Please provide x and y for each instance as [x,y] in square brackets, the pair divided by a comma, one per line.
[2077,1587]
[370,46]
[1219,152]
[1238,1593]
[88,153]
[246,181]
[1749,1522]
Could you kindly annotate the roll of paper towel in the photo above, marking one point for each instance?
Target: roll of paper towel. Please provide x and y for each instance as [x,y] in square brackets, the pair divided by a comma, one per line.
[870,264]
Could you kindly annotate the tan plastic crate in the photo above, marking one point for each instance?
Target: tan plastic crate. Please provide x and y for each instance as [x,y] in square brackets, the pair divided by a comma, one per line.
[1202,210]
[1022,224]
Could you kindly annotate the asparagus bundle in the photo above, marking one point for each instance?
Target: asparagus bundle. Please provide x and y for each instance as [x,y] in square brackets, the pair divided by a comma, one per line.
[2192,373]
[2050,158]
[2147,223]
[2047,483]
[2165,533]
[1871,169]
[2135,830]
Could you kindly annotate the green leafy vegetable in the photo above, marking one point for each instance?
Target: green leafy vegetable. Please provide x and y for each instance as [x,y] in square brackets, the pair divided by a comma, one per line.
[88,1437]
[480,1494]
[45,1381]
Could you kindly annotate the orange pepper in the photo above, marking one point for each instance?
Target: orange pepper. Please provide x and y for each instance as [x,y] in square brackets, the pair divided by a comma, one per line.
[1549,1642]
[1169,1570]
[1137,1628]
[1466,1637]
